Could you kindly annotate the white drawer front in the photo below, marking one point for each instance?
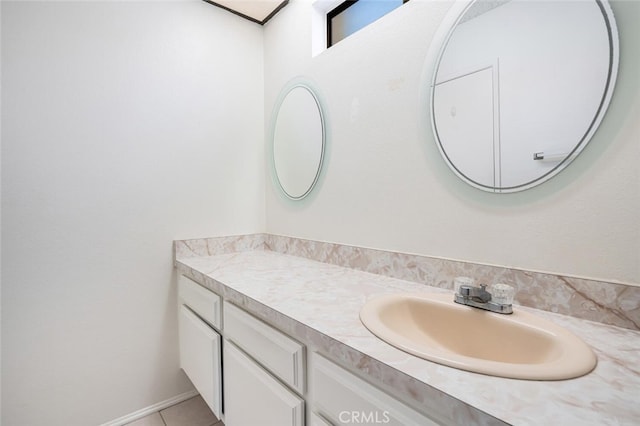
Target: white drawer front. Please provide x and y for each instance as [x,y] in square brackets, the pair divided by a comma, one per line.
[202,301]
[280,354]
[345,399]
[200,357]
[253,397]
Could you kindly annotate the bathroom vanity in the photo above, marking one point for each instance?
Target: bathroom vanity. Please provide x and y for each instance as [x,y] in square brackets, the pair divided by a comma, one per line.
[285,331]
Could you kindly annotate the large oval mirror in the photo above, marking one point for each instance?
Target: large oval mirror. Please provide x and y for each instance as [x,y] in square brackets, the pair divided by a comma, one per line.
[520,87]
[298,140]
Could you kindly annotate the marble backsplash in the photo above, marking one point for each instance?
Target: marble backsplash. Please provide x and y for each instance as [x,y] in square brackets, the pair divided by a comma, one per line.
[605,302]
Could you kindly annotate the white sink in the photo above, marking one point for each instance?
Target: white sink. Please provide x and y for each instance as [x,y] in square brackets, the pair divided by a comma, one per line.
[520,345]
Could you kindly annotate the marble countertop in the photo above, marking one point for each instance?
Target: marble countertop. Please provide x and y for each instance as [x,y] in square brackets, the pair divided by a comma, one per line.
[319,302]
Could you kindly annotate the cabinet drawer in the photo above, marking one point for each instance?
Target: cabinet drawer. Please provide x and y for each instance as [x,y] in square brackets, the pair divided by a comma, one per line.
[344,398]
[200,357]
[280,354]
[201,301]
[253,397]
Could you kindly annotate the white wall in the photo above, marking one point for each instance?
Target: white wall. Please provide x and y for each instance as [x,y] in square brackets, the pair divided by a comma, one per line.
[386,186]
[125,125]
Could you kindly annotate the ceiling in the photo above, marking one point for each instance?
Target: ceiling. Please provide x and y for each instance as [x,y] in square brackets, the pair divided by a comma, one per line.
[259,11]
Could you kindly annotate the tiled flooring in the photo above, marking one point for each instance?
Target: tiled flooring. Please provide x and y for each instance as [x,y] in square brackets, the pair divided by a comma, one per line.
[192,412]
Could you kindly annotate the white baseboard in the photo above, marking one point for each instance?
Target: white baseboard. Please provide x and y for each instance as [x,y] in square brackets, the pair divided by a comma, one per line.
[151,409]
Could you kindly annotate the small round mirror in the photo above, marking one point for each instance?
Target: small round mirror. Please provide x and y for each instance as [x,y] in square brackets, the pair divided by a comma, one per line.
[520,87]
[298,141]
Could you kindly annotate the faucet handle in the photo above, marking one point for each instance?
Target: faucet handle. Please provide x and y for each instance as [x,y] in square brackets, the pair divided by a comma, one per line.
[503,294]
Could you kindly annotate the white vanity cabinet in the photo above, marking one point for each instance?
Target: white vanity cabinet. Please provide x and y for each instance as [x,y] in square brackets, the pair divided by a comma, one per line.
[269,378]
[262,367]
[200,344]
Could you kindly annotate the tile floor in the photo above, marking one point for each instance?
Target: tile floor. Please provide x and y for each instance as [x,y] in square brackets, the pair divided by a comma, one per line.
[192,412]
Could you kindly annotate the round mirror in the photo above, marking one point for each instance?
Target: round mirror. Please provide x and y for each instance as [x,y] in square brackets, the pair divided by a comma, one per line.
[298,141]
[520,87]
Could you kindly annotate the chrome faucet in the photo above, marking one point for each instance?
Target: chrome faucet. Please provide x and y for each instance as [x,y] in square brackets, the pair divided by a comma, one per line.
[479,297]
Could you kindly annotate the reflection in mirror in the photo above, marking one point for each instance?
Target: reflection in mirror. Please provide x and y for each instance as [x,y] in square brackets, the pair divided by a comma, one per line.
[520,87]
[298,141]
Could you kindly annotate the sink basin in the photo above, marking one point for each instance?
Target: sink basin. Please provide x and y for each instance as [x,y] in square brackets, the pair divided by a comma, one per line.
[519,346]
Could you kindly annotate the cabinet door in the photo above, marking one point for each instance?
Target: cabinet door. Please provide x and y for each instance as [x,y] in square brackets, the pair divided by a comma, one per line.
[200,357]
[253,397]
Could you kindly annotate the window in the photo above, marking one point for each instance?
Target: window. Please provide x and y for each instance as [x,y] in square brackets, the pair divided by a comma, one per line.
[353,15]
